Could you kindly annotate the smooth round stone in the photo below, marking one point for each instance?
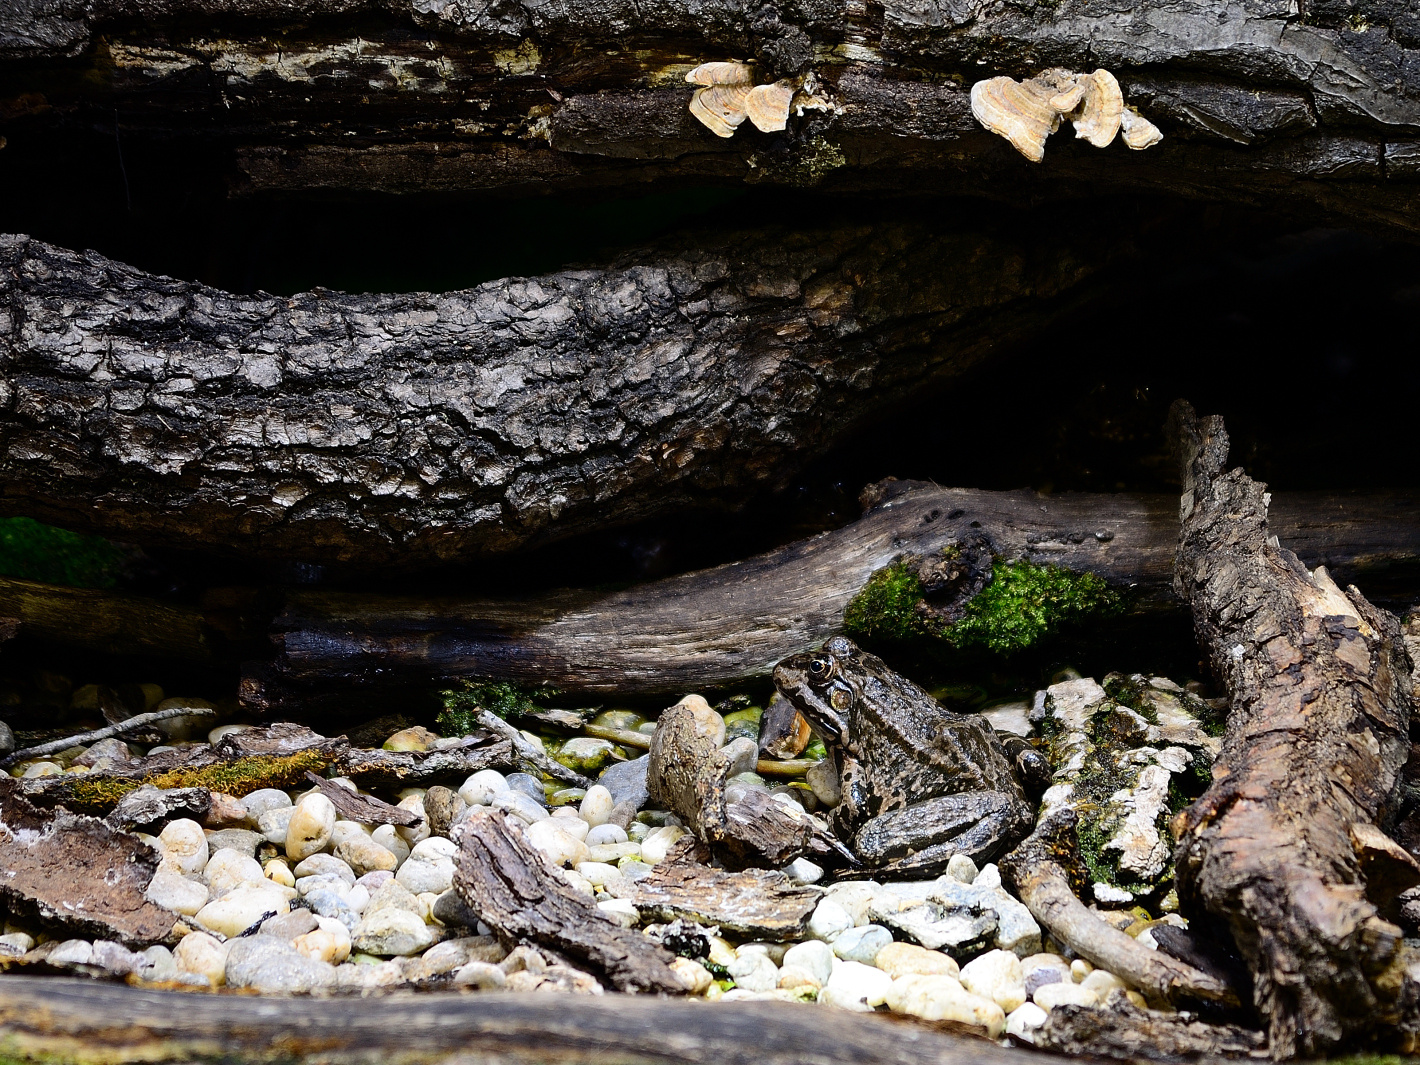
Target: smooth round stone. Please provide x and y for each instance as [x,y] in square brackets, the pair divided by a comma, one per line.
[479,789]
[13,944]
[638,831]
[942,998]
[182,726]
[908,959]
[743,723]
[327,903]
[634,868]
[621,911]
[862,944]
[793,978]
[417,738]
[105,753]
[242,907]
[1102,982]
[324,865]
[529,785]
[655,846]
[35,770]
[613,852]
[358,898]
[225,730]
[961,867]
[1064,994]
[412,835]
[175,892]
[227,868]
[480,974]
[803,871]
[707,723]
[1022,1022]
[278,872]
[597,873]
[274,824]
[571,823]
[328,943]
[1079,969]
[829,921]
[71,952]
[996,975]
[560,847]
[855,986]
[627,781]
[270,965]
[242,840]
[692,974]
[435,848]
[310,827]
[596,806]
[203,955]
[814,957]
[259,802]
[604,834]
[290,925]
[184,846]
[585,754]
[388,837]
[364,855]
[520,806]
[373,881]
[629,720]
[345,831]
[430,875]
[754,971]
[325,882]
[391,932]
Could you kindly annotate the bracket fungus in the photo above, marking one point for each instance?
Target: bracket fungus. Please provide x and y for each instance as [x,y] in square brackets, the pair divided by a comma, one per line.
[728,95]
[1027,112]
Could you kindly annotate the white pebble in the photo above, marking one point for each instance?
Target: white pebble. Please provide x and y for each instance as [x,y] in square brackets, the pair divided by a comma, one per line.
[392,841]
[996,975]
[942,998]
[814,957]
[345,831]
[597,873]
[310,827]
[225,730]
[604,834]
[597,805]
[1079,969]
[228,867]
[202,954]
[260,801]
[1102,982]
[413,834]
[184,846]
[989,876]
[560,848]
[803,871]
[479,789]
[855,986]
[655,846]
[1022,1022]
[243,906]
[572,824]
[621,911]
[273,823]
[962,868]
[754,971]
[1049,996]
[829,921]
[175,892]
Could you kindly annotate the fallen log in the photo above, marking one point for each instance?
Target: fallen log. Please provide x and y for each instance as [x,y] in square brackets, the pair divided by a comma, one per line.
[1123,1031]
[1317,733]
[384,430]
[733,622]
[1256,104]
[51,1017]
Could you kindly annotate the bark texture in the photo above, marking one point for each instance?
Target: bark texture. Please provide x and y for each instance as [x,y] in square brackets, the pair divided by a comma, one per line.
[1131,1034]
[413,428]
[1320,684]
[726,624]
[1259,100]
[755,903]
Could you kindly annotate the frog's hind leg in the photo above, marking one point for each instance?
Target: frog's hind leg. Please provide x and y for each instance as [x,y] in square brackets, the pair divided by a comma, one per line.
[923,838]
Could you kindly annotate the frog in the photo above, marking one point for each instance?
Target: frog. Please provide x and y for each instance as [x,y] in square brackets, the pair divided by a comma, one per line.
[919,783]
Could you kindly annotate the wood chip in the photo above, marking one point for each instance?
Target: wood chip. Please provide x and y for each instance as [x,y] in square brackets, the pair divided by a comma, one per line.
[365,809]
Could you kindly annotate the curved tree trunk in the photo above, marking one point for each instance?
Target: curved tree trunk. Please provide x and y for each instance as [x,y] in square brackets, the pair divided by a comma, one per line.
[414,428]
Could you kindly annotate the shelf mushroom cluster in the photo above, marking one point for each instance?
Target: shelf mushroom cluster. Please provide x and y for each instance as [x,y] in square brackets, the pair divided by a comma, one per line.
[728,95]
[1027,112]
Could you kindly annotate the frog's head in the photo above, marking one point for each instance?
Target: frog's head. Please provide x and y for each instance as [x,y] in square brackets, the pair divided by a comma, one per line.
[819,685]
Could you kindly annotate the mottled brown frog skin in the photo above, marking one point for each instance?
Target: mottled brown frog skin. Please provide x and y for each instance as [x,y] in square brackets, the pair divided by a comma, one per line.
[919,782]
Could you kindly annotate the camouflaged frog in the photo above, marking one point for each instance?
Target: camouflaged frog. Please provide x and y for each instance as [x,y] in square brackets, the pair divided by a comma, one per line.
[920,783]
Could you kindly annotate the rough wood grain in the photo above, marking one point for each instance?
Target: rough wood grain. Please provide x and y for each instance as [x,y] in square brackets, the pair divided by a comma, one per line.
[1320,685]
[732,622]
[759,903]
[1131,1034]
[406,429]
[55,1017]
[104,621]
[407,769]
[366,809]
[518,894]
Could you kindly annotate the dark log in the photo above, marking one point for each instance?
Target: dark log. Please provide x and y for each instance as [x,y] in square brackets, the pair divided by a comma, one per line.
[1257,103]
[1123,1031]
[1317,733]
[404,429]
[733,622]
[518,894]
[51,1017]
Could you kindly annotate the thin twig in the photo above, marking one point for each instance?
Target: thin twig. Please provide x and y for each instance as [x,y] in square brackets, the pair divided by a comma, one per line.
[528,751]
[141,721]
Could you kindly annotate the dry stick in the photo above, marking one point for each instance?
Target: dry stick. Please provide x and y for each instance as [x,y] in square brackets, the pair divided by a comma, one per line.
[141,721]
[528,751]
[766,767]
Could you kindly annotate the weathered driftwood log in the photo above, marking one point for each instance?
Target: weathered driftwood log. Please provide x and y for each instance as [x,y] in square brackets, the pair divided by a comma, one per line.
[411,428]
[517,893]
[733,622]
[1317,734]
[1126,1032]
[52,1017]
[1256,102]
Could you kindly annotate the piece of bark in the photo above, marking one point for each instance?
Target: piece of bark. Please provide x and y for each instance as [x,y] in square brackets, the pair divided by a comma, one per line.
[530,752]
[78,873]
[1126,1032]
[1046,873]
[400,430]
[46,1017]
[1320,688]
[644,639]
[756,903]
[405,769]
[147,806]
[366,809]
[517,893]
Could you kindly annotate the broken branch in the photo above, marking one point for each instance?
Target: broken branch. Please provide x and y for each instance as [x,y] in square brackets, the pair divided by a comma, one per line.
[138,721]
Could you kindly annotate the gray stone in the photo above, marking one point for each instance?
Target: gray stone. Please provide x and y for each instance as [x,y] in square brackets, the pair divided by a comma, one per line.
[861,944]
[374,880]
[156,964]
[450,910]
[288,926]
[264,799]
[242,840]
[528,785]
[520,805]
[324,865]
[114,958]
[324,882]
[627,781]
[328,904]
[272,966]
[391,931]
[112,751]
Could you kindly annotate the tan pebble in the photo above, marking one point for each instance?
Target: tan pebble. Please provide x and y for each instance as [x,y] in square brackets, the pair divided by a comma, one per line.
[226,810]
[364,855]
[184,846]
[692,974]
[1048,996]
[1079,969]
[791,976]
[310,827]
[277,871]
[1137,999]
[202,954]
[1102,982]
[417,738]
[902,959]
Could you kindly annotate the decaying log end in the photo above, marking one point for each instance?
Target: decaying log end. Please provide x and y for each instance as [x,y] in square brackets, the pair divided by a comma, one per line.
[1320,684]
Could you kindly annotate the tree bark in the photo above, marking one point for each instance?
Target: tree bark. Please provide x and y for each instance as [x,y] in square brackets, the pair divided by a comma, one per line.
[733,622]
[1258,103]
[1320,684]
[408,429]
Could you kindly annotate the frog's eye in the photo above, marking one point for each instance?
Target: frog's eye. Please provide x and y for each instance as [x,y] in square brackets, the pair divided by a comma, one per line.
[821,668]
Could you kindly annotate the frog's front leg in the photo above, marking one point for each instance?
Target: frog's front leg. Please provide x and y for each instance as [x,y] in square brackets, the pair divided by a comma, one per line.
[922,838]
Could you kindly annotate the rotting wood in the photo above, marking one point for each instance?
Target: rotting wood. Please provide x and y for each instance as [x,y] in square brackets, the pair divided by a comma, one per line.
[1123,1031]
[644,639]
[78,873]
[366,809]
[131,724]
[1320,688]
[53,1018]
[404,769]
[518,894]
[531,753]
[408,429]
[1044,870]
[105,621]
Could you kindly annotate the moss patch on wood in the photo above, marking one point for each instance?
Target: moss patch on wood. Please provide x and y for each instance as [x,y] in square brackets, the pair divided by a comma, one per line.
[32,551]
[459,717]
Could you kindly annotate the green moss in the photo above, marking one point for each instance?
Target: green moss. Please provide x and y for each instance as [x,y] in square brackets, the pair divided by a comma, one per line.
[35,552]
[98,794]
[459,717]
[1022,603]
